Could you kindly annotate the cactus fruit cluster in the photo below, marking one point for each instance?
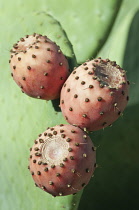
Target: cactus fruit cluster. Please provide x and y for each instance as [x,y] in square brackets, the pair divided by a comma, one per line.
[63,159]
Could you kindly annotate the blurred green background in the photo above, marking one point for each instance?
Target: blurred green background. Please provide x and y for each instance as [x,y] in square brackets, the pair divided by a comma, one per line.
[90,28]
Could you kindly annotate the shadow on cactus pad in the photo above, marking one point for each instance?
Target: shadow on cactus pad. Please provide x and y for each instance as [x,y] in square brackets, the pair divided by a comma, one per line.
[115,184]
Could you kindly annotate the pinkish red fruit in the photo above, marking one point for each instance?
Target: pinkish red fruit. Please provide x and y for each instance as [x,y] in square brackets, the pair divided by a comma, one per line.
[38,67]
[95,94]
[62,160]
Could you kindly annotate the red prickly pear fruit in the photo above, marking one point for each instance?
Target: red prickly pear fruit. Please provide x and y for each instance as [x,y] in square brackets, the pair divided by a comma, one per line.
[62,160]
[95,94]
[38,67]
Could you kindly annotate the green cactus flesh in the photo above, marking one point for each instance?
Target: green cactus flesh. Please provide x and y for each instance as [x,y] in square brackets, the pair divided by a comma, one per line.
[24,119]
[80,20]
[87,23]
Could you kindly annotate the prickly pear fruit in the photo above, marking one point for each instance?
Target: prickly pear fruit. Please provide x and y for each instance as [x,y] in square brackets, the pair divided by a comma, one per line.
[62,160]
[95,94]
[38,66]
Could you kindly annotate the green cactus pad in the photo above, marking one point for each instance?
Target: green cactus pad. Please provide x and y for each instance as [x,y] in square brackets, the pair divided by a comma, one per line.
[87,23]
[23,118]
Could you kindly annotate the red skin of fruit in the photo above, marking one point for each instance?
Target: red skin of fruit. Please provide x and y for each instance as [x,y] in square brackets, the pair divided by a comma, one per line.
[92,108]
[75,172]
[39,67]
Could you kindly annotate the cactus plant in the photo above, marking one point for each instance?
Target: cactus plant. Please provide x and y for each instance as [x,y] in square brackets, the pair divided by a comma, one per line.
[23,117]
